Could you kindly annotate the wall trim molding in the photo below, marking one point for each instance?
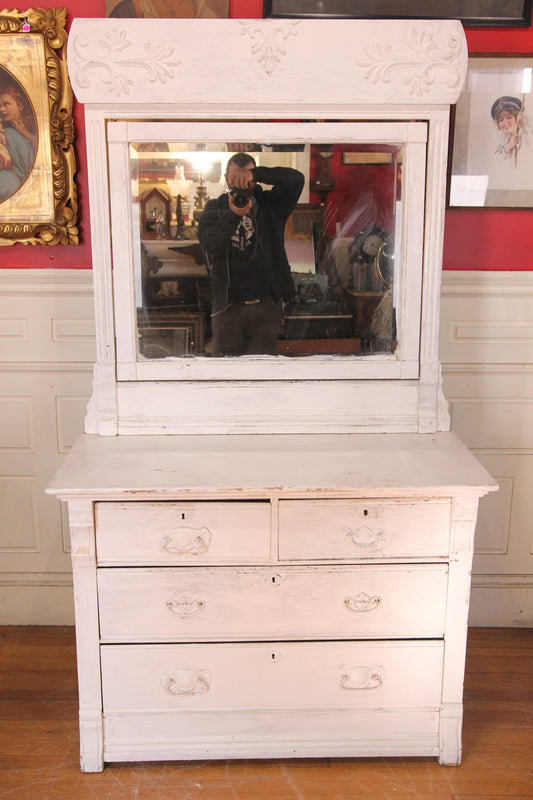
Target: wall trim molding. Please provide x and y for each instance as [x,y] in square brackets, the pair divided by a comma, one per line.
[40,366]
[452,368]
[479,283]
[502,581]
[47,579]
[45,281]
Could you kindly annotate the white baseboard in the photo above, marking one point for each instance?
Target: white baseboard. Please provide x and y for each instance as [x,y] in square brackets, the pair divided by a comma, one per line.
[501,601]
[40,599]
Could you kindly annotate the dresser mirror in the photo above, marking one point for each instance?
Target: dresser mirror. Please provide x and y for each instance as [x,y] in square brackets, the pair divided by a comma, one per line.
[352,243]
[357,349]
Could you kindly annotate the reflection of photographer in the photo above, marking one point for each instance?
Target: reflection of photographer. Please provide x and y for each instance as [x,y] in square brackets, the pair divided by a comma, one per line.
[243,236]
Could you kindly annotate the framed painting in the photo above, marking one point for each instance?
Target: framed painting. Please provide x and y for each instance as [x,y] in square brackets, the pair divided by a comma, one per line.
[501,13]
[38,199]
[168,9]
[491,143]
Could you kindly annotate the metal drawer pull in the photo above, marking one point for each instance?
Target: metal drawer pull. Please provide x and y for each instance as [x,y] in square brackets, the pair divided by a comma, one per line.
[185,607]
[186,541]
[188,682]
[362,678]
[362,602]
[365,536]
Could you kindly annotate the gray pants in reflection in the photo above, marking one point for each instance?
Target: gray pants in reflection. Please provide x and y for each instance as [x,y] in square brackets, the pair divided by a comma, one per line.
[244,329]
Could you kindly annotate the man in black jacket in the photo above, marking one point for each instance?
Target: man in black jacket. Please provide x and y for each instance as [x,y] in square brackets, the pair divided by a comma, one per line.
[243,236]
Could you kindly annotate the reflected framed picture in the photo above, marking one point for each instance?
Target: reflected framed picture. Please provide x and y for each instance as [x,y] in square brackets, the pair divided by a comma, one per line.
[501,13]
[300,223]
[38,200]
[491,141]
[366,158]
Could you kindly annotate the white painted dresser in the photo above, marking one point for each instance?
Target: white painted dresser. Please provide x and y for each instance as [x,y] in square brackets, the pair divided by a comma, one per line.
[271,554]
[280,596]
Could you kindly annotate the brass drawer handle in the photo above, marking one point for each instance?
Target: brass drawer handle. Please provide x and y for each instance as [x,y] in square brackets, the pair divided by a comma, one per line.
[185,606]
[188,682]
[362,678]
[362,603]
[186,541]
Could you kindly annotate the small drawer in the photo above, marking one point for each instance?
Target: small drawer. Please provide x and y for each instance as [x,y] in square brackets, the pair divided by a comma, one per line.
[184,605]
[182,533]
[340,529]
[332,675]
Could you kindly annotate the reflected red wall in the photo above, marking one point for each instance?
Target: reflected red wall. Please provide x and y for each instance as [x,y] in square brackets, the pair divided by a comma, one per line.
[363,194]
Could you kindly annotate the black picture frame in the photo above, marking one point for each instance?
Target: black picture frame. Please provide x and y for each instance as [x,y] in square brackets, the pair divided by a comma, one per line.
[472,13]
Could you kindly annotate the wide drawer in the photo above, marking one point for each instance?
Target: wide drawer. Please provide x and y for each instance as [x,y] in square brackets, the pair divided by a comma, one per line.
[182,533]
[163,678]
[174,604]
[341,529]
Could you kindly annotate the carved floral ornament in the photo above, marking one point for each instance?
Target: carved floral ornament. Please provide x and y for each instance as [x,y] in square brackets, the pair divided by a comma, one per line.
[115,63]
[425,61]
[43,209]
[115,60]
[267,41]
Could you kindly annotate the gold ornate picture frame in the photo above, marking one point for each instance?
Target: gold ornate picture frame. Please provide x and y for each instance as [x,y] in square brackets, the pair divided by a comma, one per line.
[38,198]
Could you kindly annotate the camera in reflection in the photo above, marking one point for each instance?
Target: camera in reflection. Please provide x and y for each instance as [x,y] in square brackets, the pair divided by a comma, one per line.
[240,197]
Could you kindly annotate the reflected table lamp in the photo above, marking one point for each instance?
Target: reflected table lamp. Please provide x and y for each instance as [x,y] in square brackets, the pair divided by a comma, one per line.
[179,188]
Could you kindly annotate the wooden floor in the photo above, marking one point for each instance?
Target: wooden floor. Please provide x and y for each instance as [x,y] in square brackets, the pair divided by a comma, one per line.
[39,739]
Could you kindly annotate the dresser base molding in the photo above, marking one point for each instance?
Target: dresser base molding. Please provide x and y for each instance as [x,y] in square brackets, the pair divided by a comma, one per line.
[272,734]
[91,742]
[359,734]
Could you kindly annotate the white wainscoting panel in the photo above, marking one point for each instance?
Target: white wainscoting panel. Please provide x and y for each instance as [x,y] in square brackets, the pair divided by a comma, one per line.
[47,350]
[486,350]
[47,353]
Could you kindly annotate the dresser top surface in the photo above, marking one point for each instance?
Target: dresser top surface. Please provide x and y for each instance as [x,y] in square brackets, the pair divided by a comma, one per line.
[264,465]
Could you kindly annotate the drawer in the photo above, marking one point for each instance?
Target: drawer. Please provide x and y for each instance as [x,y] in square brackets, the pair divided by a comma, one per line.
[174,604]
[340,529]
[334,675]
[182,533]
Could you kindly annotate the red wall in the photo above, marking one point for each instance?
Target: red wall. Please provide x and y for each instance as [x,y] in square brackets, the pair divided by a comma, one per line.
[473,239]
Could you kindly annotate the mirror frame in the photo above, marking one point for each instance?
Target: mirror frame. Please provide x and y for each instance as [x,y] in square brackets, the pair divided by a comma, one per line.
[339,72]
[402,364]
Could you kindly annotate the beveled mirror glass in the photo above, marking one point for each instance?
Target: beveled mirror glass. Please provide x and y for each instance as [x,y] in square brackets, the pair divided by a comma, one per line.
[341,241]
[351,237]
